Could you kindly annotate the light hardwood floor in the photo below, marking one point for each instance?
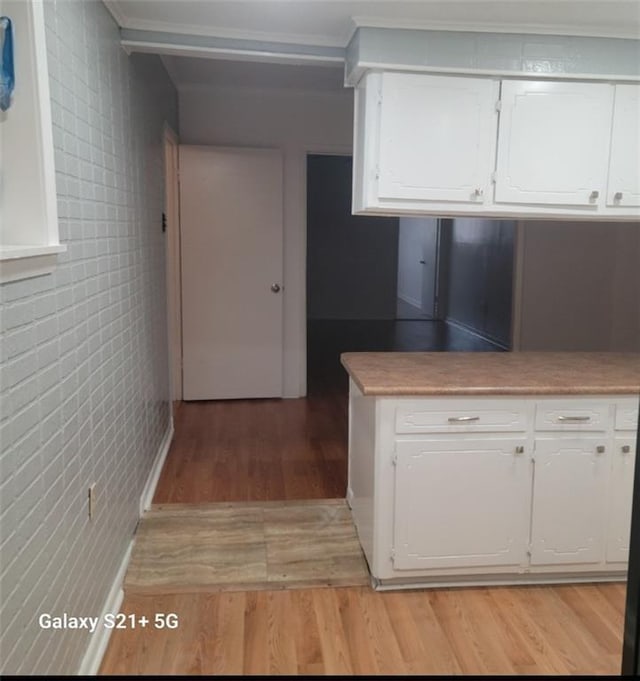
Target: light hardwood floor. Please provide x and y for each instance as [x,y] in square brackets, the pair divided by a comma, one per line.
[354,630]
[256,450]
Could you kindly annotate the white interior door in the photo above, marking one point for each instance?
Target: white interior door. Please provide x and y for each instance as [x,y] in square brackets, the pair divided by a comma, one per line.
[232,245]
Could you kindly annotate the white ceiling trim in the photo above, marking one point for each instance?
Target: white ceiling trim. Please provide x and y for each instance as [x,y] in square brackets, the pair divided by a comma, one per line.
[346,93]
[131,46]
[219,32]
[629,32]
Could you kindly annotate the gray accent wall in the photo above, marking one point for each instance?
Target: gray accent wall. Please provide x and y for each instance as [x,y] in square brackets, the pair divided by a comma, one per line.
[481,276]
[84,375]
[352,260]
[539,56]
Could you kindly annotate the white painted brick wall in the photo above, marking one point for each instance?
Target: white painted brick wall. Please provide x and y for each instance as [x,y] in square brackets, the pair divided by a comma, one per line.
[83,352]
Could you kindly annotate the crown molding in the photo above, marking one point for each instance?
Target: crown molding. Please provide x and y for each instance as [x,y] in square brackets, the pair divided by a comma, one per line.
[630,32]
[219,32]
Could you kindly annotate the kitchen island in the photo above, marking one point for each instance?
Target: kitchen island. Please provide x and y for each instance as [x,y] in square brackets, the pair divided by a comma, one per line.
[492,468]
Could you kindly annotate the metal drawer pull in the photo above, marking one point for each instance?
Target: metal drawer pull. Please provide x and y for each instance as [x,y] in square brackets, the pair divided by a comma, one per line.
[574,419]
[463,419]
[626,449]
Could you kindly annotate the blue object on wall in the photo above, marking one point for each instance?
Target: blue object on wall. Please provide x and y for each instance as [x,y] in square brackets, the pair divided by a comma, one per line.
[7,73]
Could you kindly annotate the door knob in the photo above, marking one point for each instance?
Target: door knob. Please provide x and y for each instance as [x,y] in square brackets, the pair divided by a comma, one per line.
[275,288]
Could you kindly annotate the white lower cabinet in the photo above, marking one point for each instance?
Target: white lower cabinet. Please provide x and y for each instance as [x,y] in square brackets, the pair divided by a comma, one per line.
[486,490]
[620,497]
[569,501]
[461,503]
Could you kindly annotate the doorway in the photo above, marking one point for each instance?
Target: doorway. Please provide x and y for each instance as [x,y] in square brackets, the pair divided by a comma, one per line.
[384,283]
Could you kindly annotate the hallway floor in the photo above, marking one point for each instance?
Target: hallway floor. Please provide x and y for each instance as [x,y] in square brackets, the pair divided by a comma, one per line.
[275,450]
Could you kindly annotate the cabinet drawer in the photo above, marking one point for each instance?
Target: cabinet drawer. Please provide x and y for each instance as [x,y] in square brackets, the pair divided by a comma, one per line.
[565,416]
[626,418]
[463,417]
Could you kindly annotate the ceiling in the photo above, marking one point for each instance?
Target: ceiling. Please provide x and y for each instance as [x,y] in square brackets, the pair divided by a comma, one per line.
[330,24]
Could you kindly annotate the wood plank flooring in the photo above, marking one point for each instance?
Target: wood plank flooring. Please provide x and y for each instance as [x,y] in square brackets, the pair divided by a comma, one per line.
[246,546]
[556,630]
[256,450]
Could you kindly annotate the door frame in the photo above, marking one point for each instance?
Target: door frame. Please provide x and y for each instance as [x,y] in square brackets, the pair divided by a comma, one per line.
[315,150]
[173,268]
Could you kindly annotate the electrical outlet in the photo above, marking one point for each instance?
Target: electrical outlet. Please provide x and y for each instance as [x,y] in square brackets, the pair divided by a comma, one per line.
[92,500]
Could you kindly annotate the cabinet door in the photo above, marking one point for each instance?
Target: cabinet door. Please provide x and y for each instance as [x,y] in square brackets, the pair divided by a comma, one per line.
[620,499]
[623,188]
[437,137]
[553,143]
[461,503]
[569,501]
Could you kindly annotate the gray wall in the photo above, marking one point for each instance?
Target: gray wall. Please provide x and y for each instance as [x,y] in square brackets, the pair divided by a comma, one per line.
[580,286]
[84,356]
[352,261]
[480,279]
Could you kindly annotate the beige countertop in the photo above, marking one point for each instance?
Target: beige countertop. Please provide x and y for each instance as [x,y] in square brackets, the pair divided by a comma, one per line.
[494,373]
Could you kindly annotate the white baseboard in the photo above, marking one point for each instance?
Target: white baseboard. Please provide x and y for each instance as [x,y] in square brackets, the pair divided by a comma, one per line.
[100,639]
[349,497]
[152,481]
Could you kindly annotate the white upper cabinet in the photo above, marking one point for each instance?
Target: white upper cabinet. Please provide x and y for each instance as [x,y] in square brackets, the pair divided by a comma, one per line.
[462,145]
[553,143]
[437,137]
[623,188]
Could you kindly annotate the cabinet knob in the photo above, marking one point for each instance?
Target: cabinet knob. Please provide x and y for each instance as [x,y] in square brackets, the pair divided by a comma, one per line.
[478,192]
[594,194]
[519,449]
[626,449]
[275,288]
[617,196]
[600,449]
